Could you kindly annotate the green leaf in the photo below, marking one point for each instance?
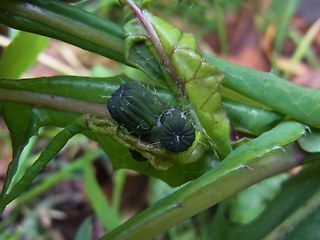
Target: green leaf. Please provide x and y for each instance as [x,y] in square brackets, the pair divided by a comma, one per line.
[21,54]
[139,55]
[191,74]
[63,21]
[18,56]
[310,142]
[91,91]
[200,79]
[281,96]
[250,119]
[69,86]
[50,151]
[24,121]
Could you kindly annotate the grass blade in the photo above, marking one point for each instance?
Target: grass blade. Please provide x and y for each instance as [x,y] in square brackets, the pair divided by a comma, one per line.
[104,211]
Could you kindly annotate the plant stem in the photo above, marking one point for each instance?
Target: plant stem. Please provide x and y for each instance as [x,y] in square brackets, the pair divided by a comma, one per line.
[55,102]
[245,164]
[153,36]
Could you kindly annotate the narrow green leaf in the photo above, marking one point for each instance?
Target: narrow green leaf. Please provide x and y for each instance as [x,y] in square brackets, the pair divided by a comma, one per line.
[299,103]
[108,216]
[26,159]
[65,22]
[221,27]
[50,181]
[310,55]
[249,119]
[21,54]
[19,120]
[50,151]
[119,181]
[85,230]
[18,56]
[285,13]
[69,86]
[302,48]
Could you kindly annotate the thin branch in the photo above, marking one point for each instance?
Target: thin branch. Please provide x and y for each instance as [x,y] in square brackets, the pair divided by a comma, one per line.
[153,36]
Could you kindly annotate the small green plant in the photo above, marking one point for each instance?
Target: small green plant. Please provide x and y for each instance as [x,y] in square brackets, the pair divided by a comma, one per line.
[209,93]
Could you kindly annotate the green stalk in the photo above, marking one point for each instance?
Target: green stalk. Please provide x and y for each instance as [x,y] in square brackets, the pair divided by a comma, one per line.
[221,28]
[285,11]
[178,87]
[311,57]
[108,215]
[302,48]
[119,181]
[55,102]
[67,23]
[216,185]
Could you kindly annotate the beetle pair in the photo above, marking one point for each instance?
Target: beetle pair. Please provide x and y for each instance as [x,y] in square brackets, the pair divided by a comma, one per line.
[145,115]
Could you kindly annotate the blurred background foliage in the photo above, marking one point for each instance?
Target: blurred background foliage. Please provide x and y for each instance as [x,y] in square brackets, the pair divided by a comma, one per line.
[71,197]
